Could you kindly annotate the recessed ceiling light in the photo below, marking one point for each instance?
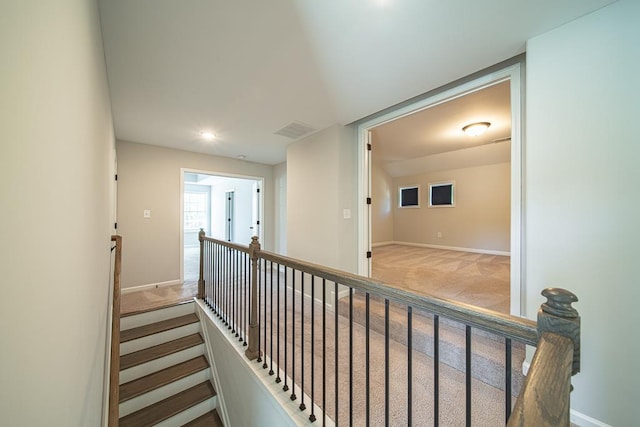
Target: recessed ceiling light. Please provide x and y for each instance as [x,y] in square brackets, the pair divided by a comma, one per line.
[476,129]
[208,136]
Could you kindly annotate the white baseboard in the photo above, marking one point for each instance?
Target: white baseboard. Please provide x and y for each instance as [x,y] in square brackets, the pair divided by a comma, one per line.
[453,248]
[375,245]
[150,286]
[584,420]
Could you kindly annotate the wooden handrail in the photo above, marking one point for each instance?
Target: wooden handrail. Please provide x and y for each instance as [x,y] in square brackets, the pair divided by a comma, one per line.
[516,328]
[114,372]
[544,399]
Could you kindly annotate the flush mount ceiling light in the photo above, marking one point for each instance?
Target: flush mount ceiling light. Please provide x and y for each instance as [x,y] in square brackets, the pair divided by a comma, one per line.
[207,136]
[241,157]
[476,129]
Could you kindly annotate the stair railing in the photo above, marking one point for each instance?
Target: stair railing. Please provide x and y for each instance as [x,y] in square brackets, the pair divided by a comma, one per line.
[114,370]
[273,304]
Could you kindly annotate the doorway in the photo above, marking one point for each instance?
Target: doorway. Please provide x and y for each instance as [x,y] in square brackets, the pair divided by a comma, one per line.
[226,207]
[509,76]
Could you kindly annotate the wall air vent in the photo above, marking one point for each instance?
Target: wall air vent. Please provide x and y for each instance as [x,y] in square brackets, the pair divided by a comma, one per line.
[295,130]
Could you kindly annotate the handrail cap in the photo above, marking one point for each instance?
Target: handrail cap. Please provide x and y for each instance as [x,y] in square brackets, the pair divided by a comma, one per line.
[559,302]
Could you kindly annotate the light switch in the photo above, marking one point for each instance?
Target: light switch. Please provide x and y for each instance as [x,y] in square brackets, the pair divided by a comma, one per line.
[346,213]
[146,213]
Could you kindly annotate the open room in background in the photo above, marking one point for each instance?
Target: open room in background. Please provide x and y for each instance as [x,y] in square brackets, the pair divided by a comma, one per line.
[225,207]
[466,246]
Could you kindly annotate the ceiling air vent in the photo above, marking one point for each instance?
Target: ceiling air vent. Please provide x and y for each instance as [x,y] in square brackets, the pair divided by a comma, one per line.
[295,130]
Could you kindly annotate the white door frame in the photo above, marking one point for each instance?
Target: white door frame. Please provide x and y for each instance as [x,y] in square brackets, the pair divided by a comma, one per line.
[260,181]
[511,73]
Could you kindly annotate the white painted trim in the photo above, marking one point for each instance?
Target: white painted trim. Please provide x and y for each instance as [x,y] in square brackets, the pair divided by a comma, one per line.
[150,286]
[221,406]
[512,73]
[453,248]
[584,420]
[375,245]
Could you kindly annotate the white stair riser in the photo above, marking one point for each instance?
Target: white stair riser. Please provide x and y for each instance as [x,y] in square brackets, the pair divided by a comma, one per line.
[159,338]
[160,363]
[130,322]
[163,392]
[190,414]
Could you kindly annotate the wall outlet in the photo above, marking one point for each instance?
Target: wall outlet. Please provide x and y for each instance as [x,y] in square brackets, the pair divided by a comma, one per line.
[146,213]
[439,234]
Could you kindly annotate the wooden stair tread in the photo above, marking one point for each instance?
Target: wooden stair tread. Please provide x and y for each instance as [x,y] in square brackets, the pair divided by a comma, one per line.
[169,407]
[158,379]
[142,356]
[210,419]
[154,328]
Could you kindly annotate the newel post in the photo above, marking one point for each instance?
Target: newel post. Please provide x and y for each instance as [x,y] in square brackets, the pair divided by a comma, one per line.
[201,271]
[253,351]
[559,317]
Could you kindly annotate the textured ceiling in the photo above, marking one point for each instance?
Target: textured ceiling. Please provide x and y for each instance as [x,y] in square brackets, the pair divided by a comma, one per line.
[245,69]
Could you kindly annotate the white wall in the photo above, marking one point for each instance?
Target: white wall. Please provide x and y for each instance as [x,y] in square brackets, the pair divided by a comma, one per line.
[149,178]
[321,183]
[382,206]
[480,220]
[56,189]
[582,203]
[280,207]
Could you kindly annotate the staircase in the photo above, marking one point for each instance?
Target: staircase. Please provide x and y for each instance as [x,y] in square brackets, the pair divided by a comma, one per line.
[165,378]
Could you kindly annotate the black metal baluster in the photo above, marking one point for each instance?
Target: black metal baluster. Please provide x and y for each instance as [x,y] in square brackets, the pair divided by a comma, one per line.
[409,365]
[278,379]
[241,297]
[286,309]
[213,268]
[302,405]
[221,268]
[259,359]
[207,279]
[386,362]
[436,370]
[293,335]
[230,289]
[468,373]
[312,417]
[247,295]
[324,352]
[218,274]
[226,289]
[236,323]
[335,311]
[271,319]
[264,323]
[350,356]
[366,362]
[234,282]
[507,379]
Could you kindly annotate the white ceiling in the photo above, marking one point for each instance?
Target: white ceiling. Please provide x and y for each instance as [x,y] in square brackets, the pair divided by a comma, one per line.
[439,129]
[245,69]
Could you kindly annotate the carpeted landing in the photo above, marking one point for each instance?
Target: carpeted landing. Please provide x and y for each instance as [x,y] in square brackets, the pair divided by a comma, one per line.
[478,279]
